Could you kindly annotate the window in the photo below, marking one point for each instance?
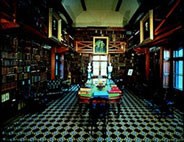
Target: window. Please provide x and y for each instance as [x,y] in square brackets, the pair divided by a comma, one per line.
[100,65]
[178,69]
[59,70]
[178,53]
[104,68]
[166,68]
[96,68]
[57,64]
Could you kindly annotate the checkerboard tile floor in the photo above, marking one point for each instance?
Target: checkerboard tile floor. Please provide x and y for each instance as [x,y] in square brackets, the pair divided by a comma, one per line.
[61,121]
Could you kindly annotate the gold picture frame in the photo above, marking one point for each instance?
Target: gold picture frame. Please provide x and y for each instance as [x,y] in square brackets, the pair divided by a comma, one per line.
[54,25]
[100,45]
[146,27]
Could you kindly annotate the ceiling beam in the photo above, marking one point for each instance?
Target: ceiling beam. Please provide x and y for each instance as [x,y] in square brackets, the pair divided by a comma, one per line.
[167,16]
[58,6]
[138,14]
[118,5]
[83,5]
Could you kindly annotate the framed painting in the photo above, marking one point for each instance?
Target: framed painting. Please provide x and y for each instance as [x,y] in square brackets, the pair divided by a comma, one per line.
[146,27]
[100,45]
[55,25]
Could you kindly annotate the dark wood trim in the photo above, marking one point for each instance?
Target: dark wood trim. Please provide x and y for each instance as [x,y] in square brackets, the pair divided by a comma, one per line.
[147,64]
[31,30]
[165,29]
[161,65]
[54,51]
[170,32]
[162,37]
[6,16]
[141,10]
[53,61]
[118,5]
[83,5]
[58,6]
[167,16]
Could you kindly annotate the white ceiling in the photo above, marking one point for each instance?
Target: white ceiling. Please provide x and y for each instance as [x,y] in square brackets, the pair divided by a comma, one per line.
[100,13]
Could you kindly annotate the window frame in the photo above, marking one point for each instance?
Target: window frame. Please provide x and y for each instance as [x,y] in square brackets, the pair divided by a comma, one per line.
[174,68]
[100,60]
[166,64]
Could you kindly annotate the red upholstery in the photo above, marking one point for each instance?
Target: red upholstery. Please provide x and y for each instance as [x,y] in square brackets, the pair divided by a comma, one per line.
[83,100]
[115,89]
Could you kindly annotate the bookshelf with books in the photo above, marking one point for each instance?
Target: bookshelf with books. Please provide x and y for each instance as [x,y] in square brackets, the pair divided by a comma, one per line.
[25,65]
[8,47]
[24,60]
[23,72]
[115,63]
[33,63]
[44,64]
[8,74]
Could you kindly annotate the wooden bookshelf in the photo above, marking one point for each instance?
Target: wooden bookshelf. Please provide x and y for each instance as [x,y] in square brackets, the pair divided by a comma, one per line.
[8,56]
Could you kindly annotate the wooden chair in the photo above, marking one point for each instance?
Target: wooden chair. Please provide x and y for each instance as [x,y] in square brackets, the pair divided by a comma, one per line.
[115,97]
[117,101]
[84,96]
[83,101]
[98,112]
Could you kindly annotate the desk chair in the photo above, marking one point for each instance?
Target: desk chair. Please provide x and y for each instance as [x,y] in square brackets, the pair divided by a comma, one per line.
[116,100]
[84,96]
[83,101]
[98,112]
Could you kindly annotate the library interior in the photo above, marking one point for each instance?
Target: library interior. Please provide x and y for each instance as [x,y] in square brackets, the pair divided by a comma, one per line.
[92,70]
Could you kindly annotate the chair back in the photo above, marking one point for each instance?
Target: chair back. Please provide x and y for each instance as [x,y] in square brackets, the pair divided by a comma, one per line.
[98,112]
[98,107]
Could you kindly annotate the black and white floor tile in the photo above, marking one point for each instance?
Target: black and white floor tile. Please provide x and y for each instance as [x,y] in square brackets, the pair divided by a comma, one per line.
[61,121]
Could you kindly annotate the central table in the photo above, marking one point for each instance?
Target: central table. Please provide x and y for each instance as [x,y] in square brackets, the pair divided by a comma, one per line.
[109,91]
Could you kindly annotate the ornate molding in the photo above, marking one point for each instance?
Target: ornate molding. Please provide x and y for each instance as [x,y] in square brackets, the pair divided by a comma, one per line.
[87,47]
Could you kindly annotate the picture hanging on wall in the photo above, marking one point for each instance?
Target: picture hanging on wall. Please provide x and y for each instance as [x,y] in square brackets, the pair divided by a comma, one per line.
[54,25]
[100,45]
[146,27]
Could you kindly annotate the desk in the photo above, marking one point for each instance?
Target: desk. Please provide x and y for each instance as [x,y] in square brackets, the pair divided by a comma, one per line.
[109,91]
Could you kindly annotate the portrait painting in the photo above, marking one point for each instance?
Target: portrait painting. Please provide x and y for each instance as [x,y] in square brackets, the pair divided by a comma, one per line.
[100,45]
[55,23]
[146,27]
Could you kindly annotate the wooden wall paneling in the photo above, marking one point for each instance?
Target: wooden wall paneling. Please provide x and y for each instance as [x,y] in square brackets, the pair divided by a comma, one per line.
[55,50]
[147,63]
[87,47]
[53,61]
[84,46]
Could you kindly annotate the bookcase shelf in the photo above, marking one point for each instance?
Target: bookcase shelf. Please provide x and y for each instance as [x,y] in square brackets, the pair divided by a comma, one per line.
[8,58]
[24,65]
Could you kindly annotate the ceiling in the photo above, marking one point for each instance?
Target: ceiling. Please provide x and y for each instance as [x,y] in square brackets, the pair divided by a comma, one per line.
[100,13]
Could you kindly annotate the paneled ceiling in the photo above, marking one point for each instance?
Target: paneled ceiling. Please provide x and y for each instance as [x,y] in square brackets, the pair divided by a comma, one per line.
[100,13]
